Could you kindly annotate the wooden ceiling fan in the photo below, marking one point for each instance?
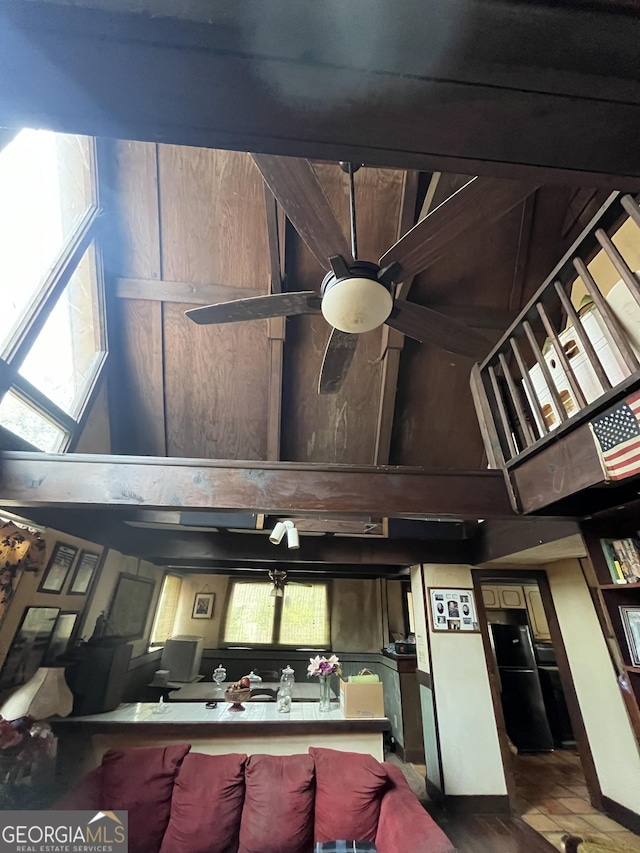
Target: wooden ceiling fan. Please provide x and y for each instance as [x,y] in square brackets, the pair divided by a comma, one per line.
[357,296]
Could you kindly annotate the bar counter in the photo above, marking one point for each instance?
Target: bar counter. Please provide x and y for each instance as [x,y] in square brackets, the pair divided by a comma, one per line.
[260,728]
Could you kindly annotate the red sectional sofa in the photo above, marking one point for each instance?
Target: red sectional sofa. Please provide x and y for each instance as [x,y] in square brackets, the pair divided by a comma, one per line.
[188,802]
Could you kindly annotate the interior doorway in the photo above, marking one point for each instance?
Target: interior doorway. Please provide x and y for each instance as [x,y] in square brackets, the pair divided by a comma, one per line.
[547,759]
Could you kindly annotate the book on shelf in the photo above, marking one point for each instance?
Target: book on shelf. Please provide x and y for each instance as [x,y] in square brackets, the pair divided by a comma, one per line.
[623,559]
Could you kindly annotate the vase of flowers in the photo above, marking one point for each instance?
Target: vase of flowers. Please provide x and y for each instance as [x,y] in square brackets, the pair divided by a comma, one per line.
[324,668]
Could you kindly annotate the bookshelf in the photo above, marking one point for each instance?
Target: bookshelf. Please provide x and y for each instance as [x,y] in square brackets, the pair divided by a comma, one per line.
[613,543]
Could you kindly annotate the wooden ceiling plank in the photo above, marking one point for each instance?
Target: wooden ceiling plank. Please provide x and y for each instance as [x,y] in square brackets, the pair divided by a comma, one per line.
[273,240]
[478,204]
[392,340]
[185,292]
[140,358]
[522,256]
[275,488]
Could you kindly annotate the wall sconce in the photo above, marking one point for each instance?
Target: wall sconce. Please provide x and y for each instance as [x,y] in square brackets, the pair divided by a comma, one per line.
[288,527]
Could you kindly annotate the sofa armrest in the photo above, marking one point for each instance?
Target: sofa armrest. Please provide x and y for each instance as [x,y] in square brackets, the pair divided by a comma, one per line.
[85,795]
[404,824]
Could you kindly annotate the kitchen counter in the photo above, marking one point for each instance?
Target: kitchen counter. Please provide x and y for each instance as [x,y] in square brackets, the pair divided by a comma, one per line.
[261,728]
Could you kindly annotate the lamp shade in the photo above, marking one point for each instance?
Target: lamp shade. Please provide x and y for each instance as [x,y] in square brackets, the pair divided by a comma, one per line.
[44,695]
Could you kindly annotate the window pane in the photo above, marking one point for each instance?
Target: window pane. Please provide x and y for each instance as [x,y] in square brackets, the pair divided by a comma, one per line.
[25,421]
[61,361]
[167,607]
[250,614]
[305,619]
[45,187]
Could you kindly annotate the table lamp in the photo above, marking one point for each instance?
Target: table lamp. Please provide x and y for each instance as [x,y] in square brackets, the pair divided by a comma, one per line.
[45,694]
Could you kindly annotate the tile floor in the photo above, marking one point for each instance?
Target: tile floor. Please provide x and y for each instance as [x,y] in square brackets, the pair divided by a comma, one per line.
[553,798]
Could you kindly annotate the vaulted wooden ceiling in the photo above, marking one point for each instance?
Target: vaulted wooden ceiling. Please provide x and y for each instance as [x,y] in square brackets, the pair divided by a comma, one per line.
[188,226]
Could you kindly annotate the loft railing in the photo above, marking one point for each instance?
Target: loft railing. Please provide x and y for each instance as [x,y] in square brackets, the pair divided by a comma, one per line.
[560,362]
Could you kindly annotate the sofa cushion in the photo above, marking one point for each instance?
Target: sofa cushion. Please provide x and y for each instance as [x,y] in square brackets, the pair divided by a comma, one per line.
[348,791]
[277,816]
[141,781]
[206,805]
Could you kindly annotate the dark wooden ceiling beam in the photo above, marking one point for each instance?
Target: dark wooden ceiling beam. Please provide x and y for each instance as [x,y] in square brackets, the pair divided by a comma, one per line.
[500,539]
[76,480]
[235,549]
[276,325]
[275,79]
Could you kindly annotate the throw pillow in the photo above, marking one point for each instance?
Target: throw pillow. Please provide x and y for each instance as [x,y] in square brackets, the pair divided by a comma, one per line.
[278,807]
[206,805]
[141,781]
[348,793]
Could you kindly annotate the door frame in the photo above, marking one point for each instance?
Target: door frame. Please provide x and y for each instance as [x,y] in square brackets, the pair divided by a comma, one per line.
[539,576]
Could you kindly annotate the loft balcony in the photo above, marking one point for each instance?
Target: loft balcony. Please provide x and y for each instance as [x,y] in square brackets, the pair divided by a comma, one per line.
[571,356]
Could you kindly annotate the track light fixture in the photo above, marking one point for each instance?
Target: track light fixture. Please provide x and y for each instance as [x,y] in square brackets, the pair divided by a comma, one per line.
[288,527]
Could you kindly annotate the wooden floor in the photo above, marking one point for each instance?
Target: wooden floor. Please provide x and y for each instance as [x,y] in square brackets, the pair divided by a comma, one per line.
[491,834]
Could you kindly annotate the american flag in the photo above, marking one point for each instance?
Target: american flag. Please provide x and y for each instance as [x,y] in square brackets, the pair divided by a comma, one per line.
[618,435]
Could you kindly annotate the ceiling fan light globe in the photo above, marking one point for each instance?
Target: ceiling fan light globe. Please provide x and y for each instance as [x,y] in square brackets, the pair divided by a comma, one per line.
[356,305]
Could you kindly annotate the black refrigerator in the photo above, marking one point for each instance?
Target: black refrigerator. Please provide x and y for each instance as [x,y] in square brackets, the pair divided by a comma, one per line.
[522,701]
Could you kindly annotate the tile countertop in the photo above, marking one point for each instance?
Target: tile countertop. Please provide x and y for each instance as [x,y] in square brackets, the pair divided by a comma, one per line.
[186,713]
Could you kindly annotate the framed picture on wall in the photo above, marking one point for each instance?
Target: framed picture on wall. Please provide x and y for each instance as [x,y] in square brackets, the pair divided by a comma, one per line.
[29,645]
[203,605]
[453,610]
[61,637]
[58,567]
[630,617]
[84,573]
[130,606]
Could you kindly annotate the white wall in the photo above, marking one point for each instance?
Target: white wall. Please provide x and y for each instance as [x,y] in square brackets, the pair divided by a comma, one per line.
[469,746]
[209,629]
[613,745]
[419,619]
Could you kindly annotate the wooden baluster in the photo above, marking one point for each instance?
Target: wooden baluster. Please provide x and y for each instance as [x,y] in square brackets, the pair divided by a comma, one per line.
[516,401]
[562,356]
[544,367]
[486,420]
[631,206]
[583,337]
[609,318]
[513,450]
[534,400]
[624,271]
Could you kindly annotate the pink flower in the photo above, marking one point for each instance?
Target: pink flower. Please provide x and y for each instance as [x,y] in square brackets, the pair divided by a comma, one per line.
[319,665]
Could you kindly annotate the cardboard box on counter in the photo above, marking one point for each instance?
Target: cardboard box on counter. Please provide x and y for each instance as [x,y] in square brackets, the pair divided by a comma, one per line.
[360,701]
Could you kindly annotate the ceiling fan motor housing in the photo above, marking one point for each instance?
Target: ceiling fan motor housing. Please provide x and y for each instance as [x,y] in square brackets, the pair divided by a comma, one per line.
[354,299]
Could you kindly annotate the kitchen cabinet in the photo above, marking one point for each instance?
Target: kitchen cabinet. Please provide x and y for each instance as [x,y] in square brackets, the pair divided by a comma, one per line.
[513,597]
[507,597]
[537,616]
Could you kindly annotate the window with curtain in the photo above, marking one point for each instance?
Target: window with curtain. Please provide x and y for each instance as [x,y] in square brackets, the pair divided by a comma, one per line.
[166,610]
[52,341]
[257,617]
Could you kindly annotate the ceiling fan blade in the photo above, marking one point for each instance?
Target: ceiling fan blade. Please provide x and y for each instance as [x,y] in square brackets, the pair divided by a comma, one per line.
[300,194]
[337,359]
[475,205]
[425,324]
[257,308]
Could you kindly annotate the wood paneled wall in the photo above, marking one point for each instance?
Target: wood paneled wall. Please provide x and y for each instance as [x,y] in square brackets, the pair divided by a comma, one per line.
[188,217]
[192,224]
